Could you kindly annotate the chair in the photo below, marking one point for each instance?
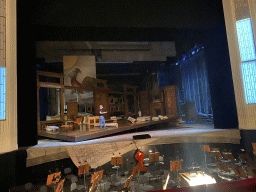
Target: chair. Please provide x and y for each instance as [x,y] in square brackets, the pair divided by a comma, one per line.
[104,186]
[28,186]
[80,187]
[97,119]
[74,179]
[157,174]
[79,122]
[67,170]
[91,122]
[228,156]
[69,176]
[223,167]
[147,188]
[216,155]
[143,179]
[73,186]
[254,148]
[239,171]
[114,181]
[244,158]
[142,183]
[43,189]
[251,171]
[107,186]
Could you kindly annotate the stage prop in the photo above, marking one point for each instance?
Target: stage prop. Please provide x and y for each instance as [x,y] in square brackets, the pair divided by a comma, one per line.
[162,102]
[51,85]
[52,129]
[69,102]
[130,99]
[76,68]
[115,125]
[66,107]
[116,102]
[72,109]
[144,103]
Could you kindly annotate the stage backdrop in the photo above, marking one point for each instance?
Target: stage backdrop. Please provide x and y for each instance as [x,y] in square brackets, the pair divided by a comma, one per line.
[86,65]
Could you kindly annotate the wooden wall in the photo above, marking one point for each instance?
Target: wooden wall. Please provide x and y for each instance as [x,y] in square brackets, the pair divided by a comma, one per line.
[8,127]
[246,112]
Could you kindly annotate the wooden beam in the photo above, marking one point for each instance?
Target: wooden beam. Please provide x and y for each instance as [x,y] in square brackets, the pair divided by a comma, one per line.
[50,85]
[50,74]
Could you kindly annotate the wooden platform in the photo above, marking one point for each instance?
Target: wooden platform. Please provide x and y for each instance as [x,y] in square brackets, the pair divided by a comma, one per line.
[51,150]
[123,125]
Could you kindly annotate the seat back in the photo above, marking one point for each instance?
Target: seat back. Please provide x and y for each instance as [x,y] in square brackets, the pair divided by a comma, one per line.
[73,186]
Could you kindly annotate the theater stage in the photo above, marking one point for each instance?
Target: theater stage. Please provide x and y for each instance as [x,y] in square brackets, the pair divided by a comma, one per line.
[96,132]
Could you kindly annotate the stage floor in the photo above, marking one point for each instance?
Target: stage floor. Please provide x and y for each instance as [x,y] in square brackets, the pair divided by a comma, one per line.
[50,150]
[96,132]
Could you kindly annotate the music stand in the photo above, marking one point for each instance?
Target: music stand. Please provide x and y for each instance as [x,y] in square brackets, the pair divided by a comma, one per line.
[82,169]
[254,148]
[252,171]
[176,166]
[53,179]
[216,154]
[245,158]
[205,148]
[96,177]
[153,157]
[239,171]
[60,186]
[229,156]
[223,167]
[117,160]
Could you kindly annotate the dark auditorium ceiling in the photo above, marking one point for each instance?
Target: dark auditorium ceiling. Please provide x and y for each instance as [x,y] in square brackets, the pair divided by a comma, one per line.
[186,14]
[182,21]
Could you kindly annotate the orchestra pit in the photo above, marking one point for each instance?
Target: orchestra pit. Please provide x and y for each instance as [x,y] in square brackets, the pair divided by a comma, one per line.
[127,97]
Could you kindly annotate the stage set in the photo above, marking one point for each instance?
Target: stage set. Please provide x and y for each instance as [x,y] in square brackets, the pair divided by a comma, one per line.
[68,104]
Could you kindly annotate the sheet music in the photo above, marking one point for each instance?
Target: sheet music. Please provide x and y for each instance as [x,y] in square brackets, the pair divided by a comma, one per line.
[83,154]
